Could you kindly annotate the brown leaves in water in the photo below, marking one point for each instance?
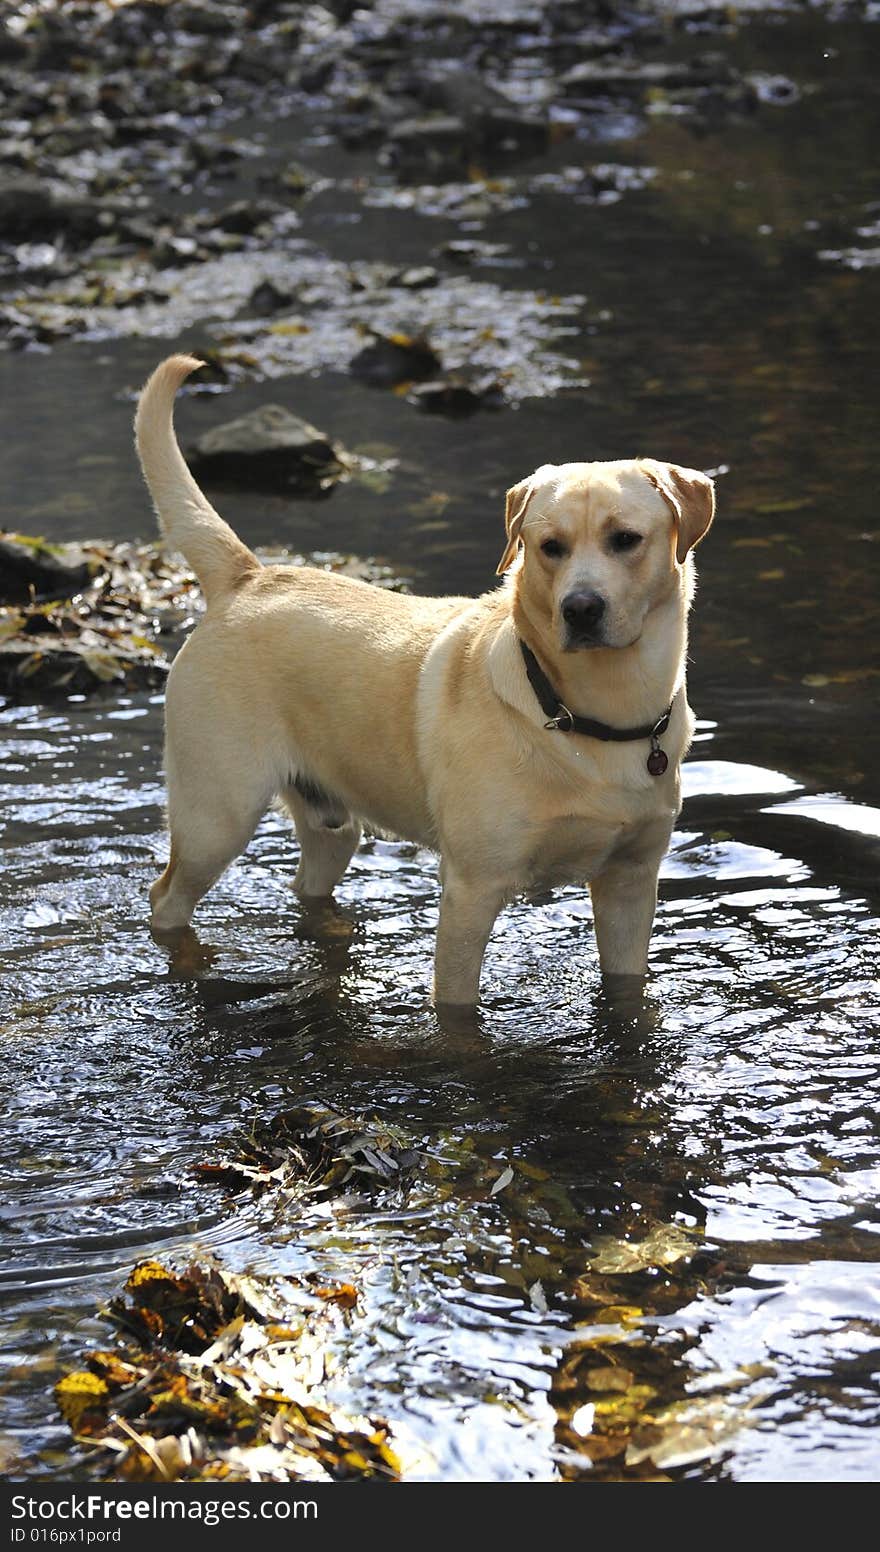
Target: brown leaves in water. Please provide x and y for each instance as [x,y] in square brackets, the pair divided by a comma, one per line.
[104,625]
[224,1379]
[621,1395]
[315,1153]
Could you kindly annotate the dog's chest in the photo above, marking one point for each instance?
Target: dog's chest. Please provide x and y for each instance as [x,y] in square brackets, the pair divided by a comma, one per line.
[572,847]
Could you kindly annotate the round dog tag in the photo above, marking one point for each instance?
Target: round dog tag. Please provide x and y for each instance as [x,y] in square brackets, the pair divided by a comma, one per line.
[657,762]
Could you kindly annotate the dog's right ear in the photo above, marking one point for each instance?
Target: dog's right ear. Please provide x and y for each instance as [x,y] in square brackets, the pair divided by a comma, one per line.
[518,498]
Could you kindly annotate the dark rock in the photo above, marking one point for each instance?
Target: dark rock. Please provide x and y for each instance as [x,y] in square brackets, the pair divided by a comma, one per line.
[30,568]
[27,209]
[270,447]
[30,210]
[467,118]
[319,70]
[458,395]
[395,358]
[492,119]
[434,146]
[444,145]
[190,16]
[462,93]
[12,47]
[256,62]
[268,298]
[244,216]
[509,131]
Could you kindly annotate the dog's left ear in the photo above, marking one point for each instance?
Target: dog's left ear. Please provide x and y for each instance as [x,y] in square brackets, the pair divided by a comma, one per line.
[518,498]
[690,494]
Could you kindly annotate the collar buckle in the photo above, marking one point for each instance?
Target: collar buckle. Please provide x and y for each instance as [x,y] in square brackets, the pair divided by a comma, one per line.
[563,722]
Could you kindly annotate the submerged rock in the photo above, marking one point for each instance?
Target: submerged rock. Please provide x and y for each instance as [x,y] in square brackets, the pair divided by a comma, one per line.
[395,358]
[268,298]
[460,394]
[270,446]
[435,145]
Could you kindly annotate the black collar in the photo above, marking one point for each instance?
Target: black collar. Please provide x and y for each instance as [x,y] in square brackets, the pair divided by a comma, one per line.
[562,720]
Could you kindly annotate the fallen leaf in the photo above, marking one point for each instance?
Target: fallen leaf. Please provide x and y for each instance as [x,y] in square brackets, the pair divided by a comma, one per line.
[503,1181]
[664,1245]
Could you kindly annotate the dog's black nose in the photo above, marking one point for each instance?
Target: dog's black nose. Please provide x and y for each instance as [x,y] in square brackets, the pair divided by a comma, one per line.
[582,611]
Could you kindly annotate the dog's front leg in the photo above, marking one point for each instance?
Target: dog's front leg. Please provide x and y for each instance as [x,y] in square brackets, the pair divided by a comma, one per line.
[468,909]
[624,902]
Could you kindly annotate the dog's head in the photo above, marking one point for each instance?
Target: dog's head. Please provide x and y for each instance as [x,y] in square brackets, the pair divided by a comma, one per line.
[602,544]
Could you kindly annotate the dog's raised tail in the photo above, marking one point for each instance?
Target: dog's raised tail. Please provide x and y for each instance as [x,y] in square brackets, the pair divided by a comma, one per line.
[217,556]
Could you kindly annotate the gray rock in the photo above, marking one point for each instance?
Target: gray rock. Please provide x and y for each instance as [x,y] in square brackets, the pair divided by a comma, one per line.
[434,145]
[31,210]
[270,447]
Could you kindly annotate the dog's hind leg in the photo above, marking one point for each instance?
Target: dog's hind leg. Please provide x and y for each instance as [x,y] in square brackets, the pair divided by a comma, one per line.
[328,837]
[211,822]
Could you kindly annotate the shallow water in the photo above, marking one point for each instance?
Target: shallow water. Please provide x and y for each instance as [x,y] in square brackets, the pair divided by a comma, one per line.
[741,1103]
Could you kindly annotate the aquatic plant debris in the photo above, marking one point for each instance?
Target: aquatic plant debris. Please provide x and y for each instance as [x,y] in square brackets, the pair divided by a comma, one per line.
[313,1153]
[221,1376]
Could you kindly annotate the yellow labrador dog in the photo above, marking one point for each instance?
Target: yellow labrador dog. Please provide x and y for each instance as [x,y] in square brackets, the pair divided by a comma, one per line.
[531,737]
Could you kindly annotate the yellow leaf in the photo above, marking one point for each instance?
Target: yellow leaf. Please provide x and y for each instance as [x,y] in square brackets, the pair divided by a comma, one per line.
[664,1245]
[78,1393]
[292,326]
[795,505]
[619,1315]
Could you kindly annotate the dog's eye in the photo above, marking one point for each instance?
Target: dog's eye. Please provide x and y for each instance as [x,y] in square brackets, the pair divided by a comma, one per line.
[625,540]
[552,549]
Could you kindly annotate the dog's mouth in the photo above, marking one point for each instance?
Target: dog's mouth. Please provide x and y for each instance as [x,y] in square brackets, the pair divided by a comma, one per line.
[582,644]
[582,641]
